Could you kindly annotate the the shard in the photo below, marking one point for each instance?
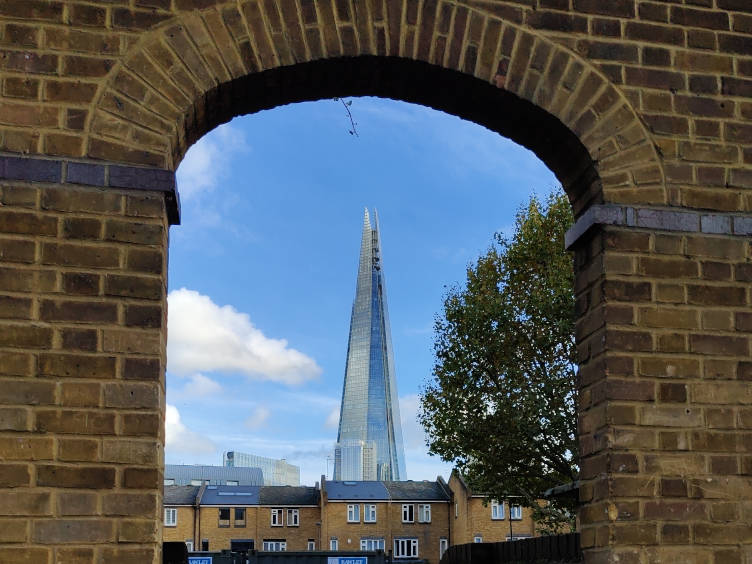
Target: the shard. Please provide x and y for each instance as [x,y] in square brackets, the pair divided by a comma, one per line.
[369,440]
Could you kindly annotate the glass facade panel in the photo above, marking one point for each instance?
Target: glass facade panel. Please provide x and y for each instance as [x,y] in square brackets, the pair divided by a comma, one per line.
[369,439]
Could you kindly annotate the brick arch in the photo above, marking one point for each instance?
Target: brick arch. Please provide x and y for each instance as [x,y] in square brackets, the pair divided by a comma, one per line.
[202,68]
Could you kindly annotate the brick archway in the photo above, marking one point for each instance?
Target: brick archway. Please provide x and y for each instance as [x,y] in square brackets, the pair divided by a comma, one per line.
[643,109]
[203,68]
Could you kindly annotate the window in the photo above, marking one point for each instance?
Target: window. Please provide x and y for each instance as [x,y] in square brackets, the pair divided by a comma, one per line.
[424,513]
[515,512]
[189,544]
[224,516]
[197,482]
[311,544]
[204,545]
[293,517]
[371,544]
[369,513]
[406,548]
[443,545]
[275,545]
[240,516]
[241,545]
[169,481]
[478,538]
[277,518]
[353,513]
[408,515]
[170,516]
[456,510]
[333,543]
[232,482]
[497,510]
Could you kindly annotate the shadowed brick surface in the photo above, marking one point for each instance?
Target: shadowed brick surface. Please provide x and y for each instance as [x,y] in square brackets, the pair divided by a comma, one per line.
[643,109]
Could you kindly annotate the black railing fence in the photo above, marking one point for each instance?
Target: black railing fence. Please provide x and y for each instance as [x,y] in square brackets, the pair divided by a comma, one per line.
[554,549]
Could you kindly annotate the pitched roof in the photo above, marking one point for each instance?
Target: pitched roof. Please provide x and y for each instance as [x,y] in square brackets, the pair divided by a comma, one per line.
[384,491]
[409,490]
[337,489]
[260,495]
[231,495]
[180,495]
[289,495]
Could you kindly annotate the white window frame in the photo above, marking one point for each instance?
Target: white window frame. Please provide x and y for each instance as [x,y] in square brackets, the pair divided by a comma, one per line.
[293,517]
[334,544]
[369,513]
[408,513]
[406,548]
[515,512]
[424,513]
[277,517]
[497,510]
[478,538]
[170,517]
[353,513]
[456,509]
[311,545]
[274,546]
[375,544]
[443,547]
[189,545]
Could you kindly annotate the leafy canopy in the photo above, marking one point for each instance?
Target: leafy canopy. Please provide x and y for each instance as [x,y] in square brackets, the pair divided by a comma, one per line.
[501,404]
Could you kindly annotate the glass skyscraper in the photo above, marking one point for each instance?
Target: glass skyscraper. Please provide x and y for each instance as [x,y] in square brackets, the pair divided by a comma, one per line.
[369,440]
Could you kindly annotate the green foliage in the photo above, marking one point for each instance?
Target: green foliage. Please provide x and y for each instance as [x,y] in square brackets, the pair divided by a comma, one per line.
[501,404]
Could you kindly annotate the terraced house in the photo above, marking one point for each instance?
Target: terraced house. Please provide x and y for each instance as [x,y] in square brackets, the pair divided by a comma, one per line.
[412,520]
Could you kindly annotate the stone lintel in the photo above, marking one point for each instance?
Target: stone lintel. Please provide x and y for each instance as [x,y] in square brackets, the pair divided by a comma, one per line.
[94,173]
[659,219]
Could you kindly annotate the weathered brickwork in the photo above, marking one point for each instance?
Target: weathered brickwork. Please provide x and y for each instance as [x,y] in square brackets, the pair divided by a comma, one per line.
[388,526]
[82,312]
[639,103]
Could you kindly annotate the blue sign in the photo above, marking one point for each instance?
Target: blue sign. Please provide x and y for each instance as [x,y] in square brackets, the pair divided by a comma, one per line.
[199,560]
[347,560]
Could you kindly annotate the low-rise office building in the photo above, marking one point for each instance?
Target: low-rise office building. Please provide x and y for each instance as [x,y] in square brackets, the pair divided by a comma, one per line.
[198,474]
[410,520]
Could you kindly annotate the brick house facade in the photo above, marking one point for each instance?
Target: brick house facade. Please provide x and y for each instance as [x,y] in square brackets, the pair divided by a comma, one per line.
[410,519]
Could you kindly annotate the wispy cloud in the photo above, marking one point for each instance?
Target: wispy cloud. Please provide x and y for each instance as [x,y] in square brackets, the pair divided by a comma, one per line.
[257,419]
[198,387]
[179,439]
[208,161]
[332,420]
[203,336]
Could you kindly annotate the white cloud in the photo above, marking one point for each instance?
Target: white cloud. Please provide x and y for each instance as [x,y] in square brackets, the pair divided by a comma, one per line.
[207,162]
[203,336]
[199,386]
[180,439]
[332,420]
[257,419]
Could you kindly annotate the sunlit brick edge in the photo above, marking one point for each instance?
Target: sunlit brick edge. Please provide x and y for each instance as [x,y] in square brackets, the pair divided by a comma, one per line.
[100,174]
[662,219]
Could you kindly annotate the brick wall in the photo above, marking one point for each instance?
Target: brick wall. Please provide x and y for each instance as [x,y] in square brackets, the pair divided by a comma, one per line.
[184,528]
[643,109]
[388,526]
[82,280]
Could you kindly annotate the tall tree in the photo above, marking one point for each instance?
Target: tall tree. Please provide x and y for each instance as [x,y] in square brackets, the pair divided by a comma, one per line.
[501,404]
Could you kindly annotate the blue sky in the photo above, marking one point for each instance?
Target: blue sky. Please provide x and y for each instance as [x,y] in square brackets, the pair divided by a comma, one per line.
[262,270]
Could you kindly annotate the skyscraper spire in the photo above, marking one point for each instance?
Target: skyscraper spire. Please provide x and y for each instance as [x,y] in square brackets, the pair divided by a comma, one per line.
[369,440]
